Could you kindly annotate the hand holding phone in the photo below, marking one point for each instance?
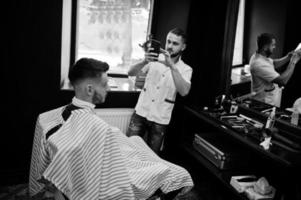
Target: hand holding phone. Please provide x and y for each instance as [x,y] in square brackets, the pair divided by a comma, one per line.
[152,50]
[298,50]
[296,56]
[154,46]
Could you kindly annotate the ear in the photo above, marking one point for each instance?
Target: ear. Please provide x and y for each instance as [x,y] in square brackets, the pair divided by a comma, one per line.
[89,89]
[183,47]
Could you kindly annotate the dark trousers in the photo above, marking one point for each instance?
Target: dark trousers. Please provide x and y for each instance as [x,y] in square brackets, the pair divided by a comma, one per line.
[152,132]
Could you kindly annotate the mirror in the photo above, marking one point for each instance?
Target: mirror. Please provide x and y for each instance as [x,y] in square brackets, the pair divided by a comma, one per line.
[258,17]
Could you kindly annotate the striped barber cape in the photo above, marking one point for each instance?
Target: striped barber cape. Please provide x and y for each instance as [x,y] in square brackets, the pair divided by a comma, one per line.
[88,159]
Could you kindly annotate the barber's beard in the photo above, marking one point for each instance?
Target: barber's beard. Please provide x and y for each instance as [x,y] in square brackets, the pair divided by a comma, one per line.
[268,53]
[177,54]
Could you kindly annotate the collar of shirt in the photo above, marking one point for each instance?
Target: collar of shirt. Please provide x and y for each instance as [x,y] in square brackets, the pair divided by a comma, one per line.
[179,61]
[264,57]
[162,58]
[82,104]
[178,64]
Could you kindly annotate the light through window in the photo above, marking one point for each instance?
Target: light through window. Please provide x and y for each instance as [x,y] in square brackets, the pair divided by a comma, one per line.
[108,30]
[239,36]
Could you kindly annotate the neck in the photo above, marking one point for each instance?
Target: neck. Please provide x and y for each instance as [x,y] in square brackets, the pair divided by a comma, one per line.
[263,53]
[175,59]
[83,98]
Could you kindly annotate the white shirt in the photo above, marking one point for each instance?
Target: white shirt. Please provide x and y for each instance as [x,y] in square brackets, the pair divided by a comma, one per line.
[157,98]
[263,73]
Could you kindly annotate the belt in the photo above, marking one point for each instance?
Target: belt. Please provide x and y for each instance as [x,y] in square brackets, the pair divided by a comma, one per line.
[269,90]
[169,101]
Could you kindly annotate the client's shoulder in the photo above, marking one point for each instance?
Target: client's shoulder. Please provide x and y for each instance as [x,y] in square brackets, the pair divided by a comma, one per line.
[51,114]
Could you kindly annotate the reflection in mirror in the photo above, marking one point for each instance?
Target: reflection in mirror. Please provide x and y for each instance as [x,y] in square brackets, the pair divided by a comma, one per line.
[266,17]
[270,75]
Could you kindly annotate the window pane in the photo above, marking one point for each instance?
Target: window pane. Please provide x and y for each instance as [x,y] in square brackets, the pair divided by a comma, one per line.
[111,31]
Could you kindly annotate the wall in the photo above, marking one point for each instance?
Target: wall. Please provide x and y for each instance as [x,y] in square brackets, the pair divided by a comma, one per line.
[204,53]
[31,77]
[169,14]
[206,30]
[264,16]
[292,90]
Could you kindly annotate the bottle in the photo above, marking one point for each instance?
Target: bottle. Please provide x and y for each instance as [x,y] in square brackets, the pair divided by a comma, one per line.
[271,119]
[268,130]
[234,107]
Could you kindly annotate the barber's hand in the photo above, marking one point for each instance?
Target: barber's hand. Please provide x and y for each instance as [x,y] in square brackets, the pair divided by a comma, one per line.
[167,61]
[296,57]
[298,52]
[150,56]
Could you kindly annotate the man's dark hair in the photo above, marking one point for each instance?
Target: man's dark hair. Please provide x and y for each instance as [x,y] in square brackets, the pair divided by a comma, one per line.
[179,32]
[264,39]
[86,68]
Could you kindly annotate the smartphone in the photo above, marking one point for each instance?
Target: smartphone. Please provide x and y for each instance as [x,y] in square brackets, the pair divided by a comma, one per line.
[155,45]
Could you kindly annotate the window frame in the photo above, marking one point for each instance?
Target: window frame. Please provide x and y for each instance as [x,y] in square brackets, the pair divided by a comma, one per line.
[240,27]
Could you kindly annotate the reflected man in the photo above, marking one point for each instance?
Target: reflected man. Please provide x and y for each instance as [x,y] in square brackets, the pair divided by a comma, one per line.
[266,81]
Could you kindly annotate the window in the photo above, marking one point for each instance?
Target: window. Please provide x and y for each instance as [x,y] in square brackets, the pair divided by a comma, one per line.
[239,36]
[108,30]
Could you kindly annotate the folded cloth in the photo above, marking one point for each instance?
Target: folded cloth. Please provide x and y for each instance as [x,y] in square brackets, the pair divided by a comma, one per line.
[262,186]
[88,159]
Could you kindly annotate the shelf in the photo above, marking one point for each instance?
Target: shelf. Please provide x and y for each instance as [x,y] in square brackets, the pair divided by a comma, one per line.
[278,164]
[222,175]
[276,153]
[283,124]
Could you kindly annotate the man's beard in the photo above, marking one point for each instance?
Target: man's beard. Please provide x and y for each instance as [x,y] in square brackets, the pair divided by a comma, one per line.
[98,99]
[268,52]
[175,54]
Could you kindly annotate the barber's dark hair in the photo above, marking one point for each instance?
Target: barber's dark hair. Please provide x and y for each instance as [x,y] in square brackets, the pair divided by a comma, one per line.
[86,68]
[264,39]
[179,32]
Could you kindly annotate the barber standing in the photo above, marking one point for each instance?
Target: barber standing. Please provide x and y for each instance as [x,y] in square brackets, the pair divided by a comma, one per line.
[165,78]
[266,81]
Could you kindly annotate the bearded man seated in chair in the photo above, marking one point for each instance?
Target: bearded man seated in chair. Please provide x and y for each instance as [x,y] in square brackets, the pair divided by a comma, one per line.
[80,156]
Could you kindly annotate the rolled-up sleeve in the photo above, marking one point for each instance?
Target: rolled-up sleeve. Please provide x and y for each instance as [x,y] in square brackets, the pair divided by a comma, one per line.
[265,72]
